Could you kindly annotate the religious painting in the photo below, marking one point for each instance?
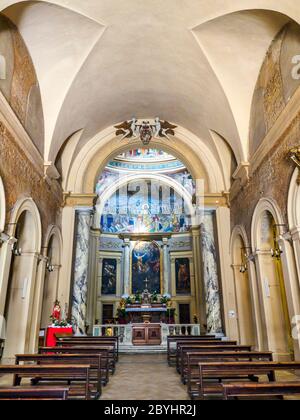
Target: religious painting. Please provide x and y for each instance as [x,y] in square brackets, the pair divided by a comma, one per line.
[183,276]
[109,277]
[146,269]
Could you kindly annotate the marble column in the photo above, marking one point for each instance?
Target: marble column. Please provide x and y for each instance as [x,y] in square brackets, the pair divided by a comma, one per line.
[211,275]
[80,285]
[126,246]
[166,266]
[199,284]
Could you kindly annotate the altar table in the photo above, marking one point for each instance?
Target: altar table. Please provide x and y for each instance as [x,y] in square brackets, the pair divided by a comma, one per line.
[146,334]
[51,334]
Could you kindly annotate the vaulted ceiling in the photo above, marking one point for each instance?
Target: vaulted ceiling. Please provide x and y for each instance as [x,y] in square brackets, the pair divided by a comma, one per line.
[192,62]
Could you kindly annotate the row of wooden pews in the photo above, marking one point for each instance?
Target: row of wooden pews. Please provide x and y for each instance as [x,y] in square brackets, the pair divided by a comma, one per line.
[84,364]
[213,368]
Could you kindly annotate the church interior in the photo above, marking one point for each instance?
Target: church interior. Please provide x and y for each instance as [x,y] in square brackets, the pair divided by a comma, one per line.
[149,199]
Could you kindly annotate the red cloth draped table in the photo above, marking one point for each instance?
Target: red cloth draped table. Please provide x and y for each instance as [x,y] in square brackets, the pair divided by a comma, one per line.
[52,331]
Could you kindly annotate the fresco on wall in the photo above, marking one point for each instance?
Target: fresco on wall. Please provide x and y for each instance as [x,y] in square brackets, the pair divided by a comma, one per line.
[146,268]
[183,276]
[109,277]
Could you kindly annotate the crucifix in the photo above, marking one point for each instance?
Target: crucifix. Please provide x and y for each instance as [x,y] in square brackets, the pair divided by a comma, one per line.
[146,284]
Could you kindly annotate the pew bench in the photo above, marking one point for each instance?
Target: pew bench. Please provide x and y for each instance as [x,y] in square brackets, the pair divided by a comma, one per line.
[89,340]
[104,352]
[172,339]
[216,347]
[106,343]
[32,394]
[92,360]
[260,390]
[190,369]
[211,375]
[59,373]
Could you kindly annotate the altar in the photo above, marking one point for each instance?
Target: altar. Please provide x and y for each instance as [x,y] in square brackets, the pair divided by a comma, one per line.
[154,313]
[146,334]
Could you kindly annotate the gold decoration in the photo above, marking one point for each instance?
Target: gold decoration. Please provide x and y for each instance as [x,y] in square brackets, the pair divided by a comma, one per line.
[294,154]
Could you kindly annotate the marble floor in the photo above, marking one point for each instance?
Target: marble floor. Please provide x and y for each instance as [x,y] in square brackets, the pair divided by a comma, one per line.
[144,377]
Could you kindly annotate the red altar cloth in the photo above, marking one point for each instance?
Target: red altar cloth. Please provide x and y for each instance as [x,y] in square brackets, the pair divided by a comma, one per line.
[51,332]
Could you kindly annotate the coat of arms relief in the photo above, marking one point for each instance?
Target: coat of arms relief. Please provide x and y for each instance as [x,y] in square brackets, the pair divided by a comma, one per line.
[145,130]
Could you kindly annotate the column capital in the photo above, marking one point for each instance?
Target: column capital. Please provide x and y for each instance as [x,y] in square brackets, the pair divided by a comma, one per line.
[78,200]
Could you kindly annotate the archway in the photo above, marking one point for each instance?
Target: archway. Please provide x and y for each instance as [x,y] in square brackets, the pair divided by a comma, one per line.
[244,299]
[26,228]
[51,282]
[266,229]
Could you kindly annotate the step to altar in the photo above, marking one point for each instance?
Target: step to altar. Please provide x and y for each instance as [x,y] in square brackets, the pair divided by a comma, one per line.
[130,349]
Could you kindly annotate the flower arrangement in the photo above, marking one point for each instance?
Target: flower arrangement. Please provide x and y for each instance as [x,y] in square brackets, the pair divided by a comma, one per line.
[165,299]
[154,297]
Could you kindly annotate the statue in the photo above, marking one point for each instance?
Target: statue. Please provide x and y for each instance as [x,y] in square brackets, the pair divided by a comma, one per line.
[56,313]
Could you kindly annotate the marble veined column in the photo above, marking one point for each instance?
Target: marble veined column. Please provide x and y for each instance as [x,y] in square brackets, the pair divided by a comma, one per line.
[126,245]
[80,288]
[166,266]
[211,275]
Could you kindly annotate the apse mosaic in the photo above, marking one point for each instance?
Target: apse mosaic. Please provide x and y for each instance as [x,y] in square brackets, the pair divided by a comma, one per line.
[146,270]
[145,208]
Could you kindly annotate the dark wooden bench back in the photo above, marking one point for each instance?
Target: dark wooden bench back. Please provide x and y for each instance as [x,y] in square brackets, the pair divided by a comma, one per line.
[51,372]
[278,389]
[46,394]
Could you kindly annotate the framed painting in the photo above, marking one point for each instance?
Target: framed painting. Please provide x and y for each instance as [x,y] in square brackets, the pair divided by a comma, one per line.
[109,276]
[183,276]
[146,268]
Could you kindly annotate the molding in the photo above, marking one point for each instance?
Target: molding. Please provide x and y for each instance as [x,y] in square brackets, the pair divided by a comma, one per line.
[283,122]
[78,200]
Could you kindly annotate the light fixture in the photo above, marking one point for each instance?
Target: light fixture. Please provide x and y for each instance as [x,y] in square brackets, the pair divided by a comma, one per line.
[243,269]
[50,267]
[277,252]
[4,238]
[17,252]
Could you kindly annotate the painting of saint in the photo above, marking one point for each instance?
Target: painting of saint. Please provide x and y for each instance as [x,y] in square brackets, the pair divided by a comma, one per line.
[146,267]
[183,276]
[109,277]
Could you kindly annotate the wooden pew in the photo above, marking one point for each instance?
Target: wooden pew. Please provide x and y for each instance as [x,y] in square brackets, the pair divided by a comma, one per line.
[171,353]
[254,391]
[183,346]
[53,372]
[29,394]
[92,360]
[90,340]
[219,371]
[106,343]
[190,368]
[104,352]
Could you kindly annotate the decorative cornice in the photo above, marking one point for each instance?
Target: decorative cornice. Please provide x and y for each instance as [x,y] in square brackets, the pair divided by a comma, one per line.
[284,121]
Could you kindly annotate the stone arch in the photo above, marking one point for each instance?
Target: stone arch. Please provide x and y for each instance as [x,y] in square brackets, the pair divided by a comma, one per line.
[52,252]
[243,285]
[188,148]
[25,226]
[267,228]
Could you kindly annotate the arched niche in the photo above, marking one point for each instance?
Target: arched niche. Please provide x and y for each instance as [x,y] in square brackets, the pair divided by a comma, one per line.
[25,226]
[267,227]
[53,249]
[243,287]
[2,207]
